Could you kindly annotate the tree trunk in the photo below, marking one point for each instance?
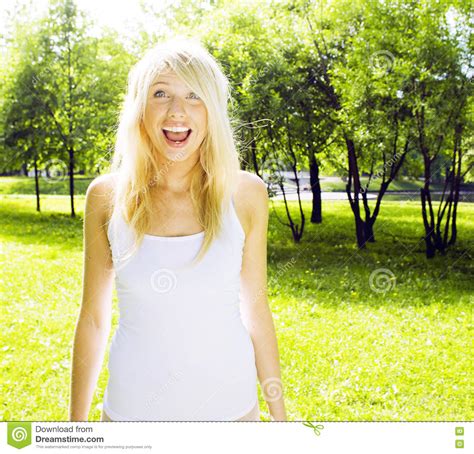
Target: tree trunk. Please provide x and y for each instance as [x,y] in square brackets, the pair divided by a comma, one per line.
[354,202]
[316,214]
[71,180]
[369,220]
[71,128]
[369,231]
[454,229]
[38,208]
[430,249]
[456,182]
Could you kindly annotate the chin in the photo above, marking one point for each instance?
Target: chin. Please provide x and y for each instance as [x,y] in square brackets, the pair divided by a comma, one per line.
[181,154]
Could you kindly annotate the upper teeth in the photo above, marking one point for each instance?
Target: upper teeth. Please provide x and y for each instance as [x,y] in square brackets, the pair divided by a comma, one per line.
[176,129]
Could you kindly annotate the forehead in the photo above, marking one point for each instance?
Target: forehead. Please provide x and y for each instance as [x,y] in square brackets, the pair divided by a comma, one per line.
[169,78]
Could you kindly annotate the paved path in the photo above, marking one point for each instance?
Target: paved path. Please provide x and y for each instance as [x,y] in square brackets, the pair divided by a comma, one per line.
[340,195]
[307,195]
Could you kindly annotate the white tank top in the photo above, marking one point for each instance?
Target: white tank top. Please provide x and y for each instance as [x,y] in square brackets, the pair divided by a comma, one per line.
[181,351]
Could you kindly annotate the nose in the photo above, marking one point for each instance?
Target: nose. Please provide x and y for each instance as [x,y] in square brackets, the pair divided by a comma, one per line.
[176,109]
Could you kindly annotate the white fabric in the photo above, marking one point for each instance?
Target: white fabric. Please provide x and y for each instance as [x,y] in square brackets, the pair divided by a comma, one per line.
[181,351]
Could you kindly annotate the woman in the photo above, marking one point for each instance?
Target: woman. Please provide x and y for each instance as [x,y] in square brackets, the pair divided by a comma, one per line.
[183,232]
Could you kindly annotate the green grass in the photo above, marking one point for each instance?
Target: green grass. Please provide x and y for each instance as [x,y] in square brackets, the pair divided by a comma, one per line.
[348,352]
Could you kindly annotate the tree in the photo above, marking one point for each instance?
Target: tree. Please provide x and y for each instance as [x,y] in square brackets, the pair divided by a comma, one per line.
[74,82]
[439,86]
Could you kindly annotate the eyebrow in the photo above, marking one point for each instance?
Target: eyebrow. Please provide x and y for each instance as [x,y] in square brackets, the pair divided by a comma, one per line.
[164,83]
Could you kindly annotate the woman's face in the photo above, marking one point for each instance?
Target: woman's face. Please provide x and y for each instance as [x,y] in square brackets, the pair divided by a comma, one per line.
[175,117]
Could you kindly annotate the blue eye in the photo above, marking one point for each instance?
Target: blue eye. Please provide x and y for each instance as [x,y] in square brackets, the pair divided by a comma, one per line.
[193,95]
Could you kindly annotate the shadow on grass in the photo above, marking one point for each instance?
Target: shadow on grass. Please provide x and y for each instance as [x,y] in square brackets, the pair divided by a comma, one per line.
[26,185]
[327,267]
[22,224]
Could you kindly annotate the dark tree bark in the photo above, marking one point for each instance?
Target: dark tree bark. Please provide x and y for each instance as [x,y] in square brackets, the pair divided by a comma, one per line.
[394,163]
[37,192]
[436,235]
[353,176]
[295,228]
[71,180]
[316,213]
[277,178]
[426,203]
[457,177]
[71,127]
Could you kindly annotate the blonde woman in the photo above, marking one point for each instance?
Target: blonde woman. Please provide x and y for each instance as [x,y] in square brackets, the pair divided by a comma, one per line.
[182,231]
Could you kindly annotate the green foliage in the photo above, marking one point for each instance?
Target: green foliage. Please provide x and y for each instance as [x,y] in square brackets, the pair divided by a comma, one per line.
[377,53]
[64,93]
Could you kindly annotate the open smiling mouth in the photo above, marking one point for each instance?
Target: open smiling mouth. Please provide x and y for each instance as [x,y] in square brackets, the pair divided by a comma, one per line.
[177,139]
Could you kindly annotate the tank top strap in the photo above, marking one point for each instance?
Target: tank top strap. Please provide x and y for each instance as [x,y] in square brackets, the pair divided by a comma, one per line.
[121,238]
[114,225]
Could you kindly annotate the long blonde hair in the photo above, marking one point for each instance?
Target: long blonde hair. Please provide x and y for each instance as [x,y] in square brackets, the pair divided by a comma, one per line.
[214,177]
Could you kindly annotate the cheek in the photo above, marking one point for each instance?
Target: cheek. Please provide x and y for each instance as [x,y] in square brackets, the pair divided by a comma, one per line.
[203,119]
[154,110]
[152,116]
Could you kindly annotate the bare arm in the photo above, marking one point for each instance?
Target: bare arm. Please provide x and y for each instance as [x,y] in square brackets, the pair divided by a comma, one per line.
[256,313]
[93,324]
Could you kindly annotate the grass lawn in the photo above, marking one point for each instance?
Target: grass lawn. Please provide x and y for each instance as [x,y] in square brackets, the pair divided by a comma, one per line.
[354,346]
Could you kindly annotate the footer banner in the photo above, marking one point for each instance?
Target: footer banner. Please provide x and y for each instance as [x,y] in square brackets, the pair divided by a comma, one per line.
[239,437]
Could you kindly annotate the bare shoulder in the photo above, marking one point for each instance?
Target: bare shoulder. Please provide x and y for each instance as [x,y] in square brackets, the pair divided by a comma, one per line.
[251,199]
[99,196]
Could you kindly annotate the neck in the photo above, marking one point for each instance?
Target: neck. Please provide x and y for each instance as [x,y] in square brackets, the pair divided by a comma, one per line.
[176,175]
